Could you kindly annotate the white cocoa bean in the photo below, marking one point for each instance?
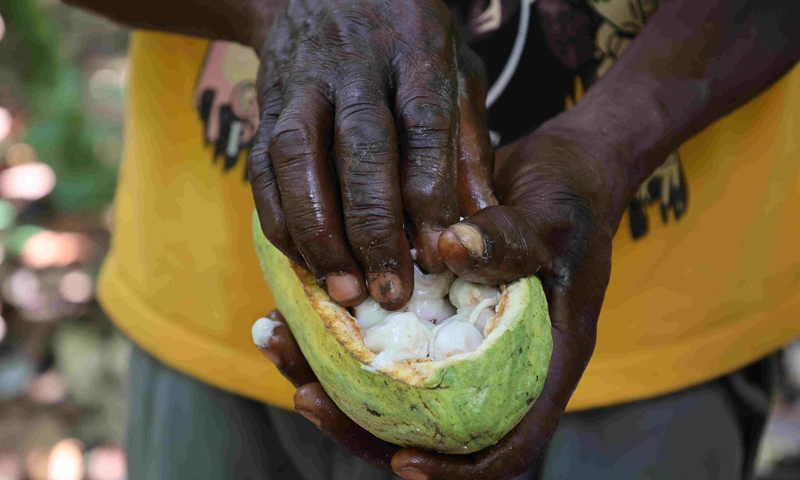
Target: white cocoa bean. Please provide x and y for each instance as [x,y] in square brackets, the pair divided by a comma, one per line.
[402,334]
[467,294]
[435,285]
[453,338]
[429,309]
[369,313]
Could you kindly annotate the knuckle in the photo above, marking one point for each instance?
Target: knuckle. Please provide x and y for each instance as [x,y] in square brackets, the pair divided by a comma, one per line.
[426,192]
[355,112]
[258,157]
[259,167]
[574,208]
[308,230]
[365,128]
[437,142]
[374,218]
[262,179]
[364,179]
[361,89]
[372,236]
[436,72]
[427,110]
[293,137]
[271,102]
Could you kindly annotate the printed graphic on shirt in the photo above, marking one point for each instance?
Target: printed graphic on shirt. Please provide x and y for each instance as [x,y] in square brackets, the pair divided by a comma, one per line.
[611,26]
[483,17]
[225,97]
[487,20]
[569,29]
[621,21]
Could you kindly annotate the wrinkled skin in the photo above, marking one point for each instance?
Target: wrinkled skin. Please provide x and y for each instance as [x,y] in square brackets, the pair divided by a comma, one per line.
[354,91]
[554,219]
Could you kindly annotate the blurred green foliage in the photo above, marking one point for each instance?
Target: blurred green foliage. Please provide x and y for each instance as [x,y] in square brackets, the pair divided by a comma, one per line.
[62,363]
[60,129]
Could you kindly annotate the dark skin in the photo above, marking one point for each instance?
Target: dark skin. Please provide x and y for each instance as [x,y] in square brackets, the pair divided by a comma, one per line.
[352,92]
[352,95]
[561,190]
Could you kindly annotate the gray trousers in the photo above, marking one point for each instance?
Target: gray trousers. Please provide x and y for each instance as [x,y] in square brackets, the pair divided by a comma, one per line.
[180,428]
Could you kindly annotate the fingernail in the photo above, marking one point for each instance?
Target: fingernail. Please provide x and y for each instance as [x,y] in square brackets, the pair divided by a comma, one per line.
[470,238]
[428,254]
[411,474]
[310,417]
[387,289]
[344,289]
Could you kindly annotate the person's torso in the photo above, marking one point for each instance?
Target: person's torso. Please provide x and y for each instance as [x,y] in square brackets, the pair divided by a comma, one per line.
[706,269]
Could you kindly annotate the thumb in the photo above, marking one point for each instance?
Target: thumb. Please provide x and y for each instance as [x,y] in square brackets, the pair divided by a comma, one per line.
[498,244]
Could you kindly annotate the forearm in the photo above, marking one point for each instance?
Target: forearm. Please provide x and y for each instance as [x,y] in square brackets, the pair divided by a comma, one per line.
[233,20]
[694,62]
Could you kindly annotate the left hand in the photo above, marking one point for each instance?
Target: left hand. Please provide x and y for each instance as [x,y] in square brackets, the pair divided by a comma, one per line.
[560,206]
[363,107]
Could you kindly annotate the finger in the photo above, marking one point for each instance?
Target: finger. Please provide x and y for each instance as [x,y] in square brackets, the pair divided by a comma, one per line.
[496,245]
[475,153]
[367,159]
[264,184]
[573,319]
[299,150]
[313,403]
[282,350]
[427,109]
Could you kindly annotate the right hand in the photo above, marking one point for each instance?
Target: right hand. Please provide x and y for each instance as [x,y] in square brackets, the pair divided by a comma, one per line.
[372,120]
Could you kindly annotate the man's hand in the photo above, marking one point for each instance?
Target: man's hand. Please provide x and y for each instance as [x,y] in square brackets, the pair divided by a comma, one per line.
[371,113]
[555,220]
[359,141]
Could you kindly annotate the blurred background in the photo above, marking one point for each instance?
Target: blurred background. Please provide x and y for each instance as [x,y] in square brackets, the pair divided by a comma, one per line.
[62,365]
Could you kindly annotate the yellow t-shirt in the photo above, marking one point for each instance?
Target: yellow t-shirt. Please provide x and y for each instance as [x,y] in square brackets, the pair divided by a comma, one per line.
[692,300]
